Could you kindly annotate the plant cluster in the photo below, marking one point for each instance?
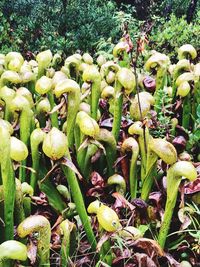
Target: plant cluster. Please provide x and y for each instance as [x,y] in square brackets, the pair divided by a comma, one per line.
[169,35]
[86,177]
[61,25]
[35,25]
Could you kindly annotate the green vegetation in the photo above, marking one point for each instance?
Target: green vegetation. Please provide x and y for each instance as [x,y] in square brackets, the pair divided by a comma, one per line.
[99,133]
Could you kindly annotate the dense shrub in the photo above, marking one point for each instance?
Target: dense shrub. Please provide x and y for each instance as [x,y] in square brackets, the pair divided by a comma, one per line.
[167,36]
[71,25]
[60,25]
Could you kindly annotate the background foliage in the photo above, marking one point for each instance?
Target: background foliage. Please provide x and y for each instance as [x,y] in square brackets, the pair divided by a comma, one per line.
[71,25]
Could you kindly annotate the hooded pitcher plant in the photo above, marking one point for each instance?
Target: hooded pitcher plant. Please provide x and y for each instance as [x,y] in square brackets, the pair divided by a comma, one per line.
[7,94]
[120,51]
[187,51]
[108,73]
[119,182]
[130,144]
[137,128]
[10,76]
[182,66]
[21,104]
[139,112]
[12,250]
[108,221]
[100,60]
[8,180]
[18,152]
[43,108]
[27,193]
[179,170]
[68,233]
[107,217]
[108,93]
[125,82]
[14,61]
[183,89]
[43,59]
[85,126]
[19,209]
[159,62]
[44,86]
[71,66]
[108,140]
[28,76]
[38,224]
[92,75]
[23,91]
[70,87]
[56,150]
[87,58]
[157,148]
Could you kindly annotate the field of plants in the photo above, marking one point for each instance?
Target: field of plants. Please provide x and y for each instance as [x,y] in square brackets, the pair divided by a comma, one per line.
[99,159]
[99,134]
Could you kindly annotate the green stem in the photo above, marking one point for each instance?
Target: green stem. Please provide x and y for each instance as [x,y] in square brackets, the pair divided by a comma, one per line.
[68,230]
[36,139]
[143,154]
[169,208]
[21,104]
[91,150]
[72,89]
[54,198]
[8,178]
[92,75]
[19,210]
[110,145]
[118,104]
[27,206]
[161,80]
[53,116]
[133,179]
[31,87]
[186,112]
[73,106]
[95,94]
[40,224]
[80,206]
[148,182]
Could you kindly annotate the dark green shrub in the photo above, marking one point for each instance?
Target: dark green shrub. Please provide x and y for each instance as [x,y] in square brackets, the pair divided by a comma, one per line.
[167,37]
[60,25]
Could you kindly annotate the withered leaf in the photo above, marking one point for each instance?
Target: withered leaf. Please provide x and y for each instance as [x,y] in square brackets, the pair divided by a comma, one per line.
[32,251]
[95,191]
[149,246]
[192,187]
[149,83]
[172,261]
[71,165]
[144,260]
[121,202]
[96,179]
